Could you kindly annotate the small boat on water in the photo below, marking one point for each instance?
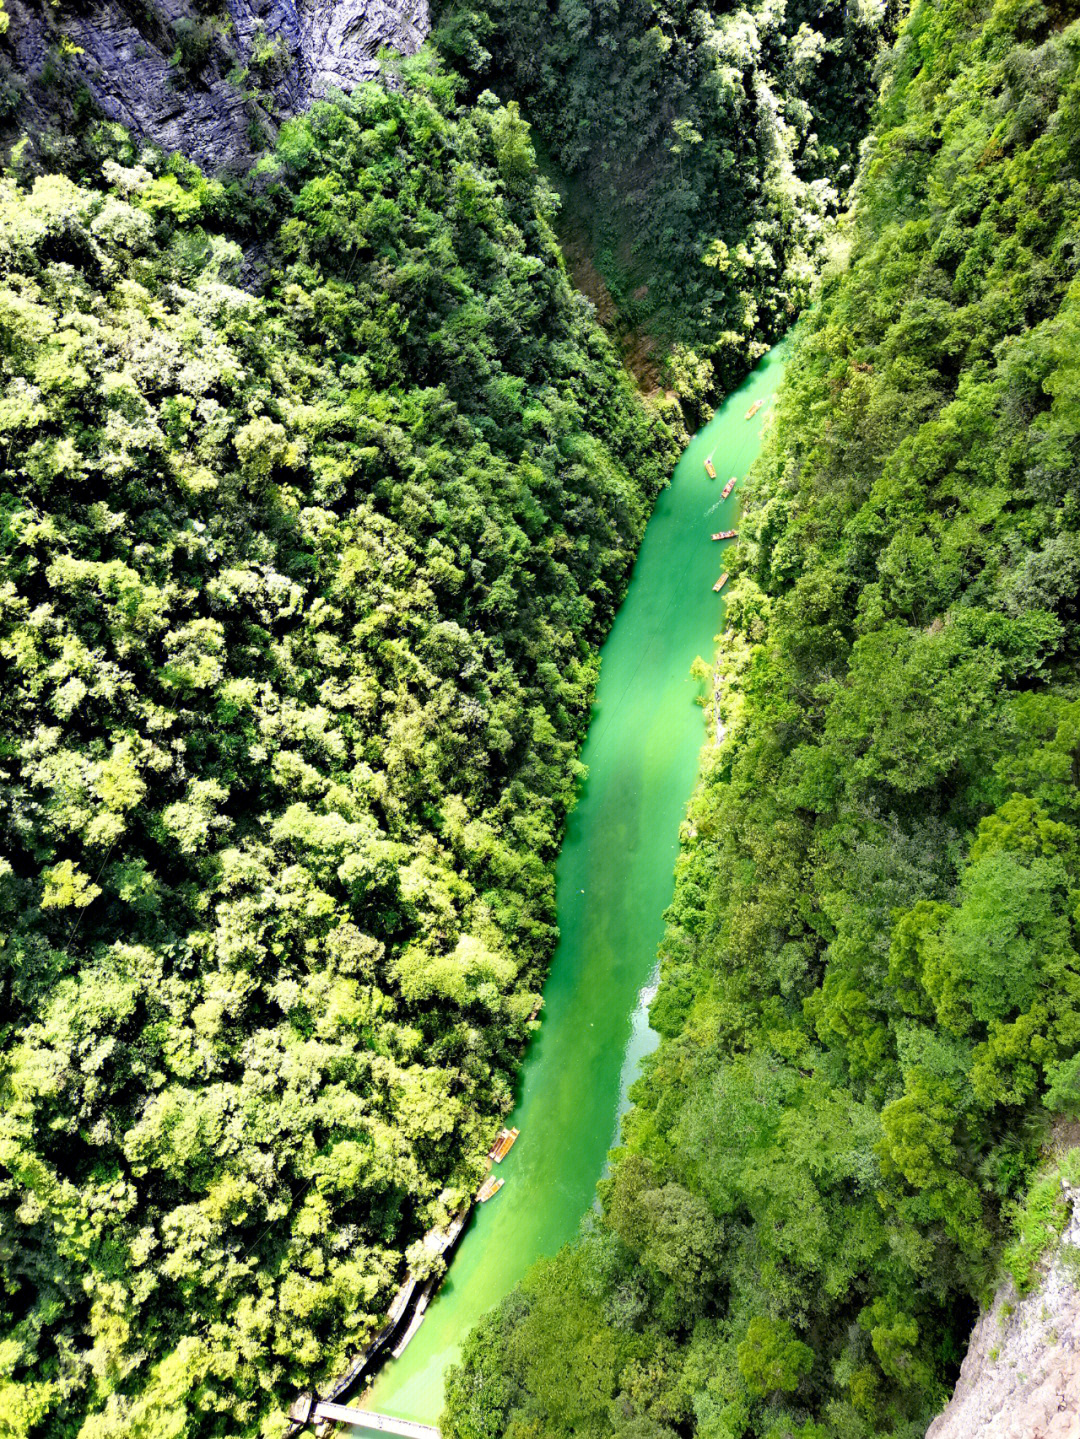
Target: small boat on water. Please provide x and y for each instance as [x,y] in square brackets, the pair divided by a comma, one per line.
[728,487]
[752,411]
[504,1142]
[710,468]
[489,1189]
[721,582]
[726,535]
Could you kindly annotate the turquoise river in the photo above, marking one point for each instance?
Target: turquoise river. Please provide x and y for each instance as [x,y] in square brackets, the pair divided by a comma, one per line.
[614,881]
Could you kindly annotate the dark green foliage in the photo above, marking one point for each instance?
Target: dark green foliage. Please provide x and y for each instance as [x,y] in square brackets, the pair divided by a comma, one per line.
[194,40]
[299,604]
[871,988]
[703,145]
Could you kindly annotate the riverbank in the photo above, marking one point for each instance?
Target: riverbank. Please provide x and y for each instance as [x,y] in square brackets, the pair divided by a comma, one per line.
[614,879]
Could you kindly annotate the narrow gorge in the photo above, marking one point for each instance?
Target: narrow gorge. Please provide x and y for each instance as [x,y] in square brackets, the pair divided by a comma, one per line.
[373,605]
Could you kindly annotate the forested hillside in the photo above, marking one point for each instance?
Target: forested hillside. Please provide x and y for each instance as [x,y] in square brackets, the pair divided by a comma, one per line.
[298,609]
[705,147]
[870,998]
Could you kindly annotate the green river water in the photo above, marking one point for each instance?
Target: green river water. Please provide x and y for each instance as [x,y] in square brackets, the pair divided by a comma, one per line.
[614,881]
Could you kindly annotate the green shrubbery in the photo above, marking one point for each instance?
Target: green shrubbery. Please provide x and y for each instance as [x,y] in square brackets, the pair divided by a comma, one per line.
[705,149]
[871,972]
[299,602]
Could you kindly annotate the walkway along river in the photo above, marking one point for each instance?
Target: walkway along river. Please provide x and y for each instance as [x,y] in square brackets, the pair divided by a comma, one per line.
[614,881]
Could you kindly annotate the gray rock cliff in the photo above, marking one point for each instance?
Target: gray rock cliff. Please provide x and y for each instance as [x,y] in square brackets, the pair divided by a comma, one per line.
[246,66]
[1021,1376]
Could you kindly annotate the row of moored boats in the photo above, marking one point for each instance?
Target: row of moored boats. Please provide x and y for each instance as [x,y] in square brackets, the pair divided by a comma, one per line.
[710,470]
[504,1142]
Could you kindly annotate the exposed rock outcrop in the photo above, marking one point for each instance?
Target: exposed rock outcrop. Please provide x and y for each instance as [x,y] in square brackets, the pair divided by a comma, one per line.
[238,71]
[1021,1377]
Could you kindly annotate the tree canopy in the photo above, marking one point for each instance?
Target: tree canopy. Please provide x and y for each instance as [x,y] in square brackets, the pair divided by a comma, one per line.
[870,993]
[299,600]
[704,150]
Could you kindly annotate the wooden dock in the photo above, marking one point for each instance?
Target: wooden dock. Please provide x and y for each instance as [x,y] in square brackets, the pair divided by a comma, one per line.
[400,1302]
[368,1419]
[438,1241]
[417,1318]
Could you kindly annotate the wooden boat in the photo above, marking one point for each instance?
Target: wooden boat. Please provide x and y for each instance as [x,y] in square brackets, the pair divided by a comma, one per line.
[504,1142]
[721,582]
[488,1189]
[726,535]
[752,411]
[728,487]
[710,468]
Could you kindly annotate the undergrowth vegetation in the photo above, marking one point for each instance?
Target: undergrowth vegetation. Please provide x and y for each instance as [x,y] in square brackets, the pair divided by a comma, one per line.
[705,150]
[870,995]
[299,600]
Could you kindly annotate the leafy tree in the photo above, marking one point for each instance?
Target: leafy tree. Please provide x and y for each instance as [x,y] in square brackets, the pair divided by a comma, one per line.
[868,1003]
[300,594]
[770,1357]
[701,153]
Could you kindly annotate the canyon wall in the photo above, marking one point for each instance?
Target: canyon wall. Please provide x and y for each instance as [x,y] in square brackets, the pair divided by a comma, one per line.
[213,84]
[1021,1376]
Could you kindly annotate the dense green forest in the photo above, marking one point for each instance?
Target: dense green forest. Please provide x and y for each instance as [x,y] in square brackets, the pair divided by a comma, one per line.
[705,148]
[870,994]
[299,601]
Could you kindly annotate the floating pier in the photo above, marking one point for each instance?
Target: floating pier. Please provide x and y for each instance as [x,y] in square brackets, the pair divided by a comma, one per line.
[368,1419]
[721,582]
[311,1408]
[438,1241]
[417,1318]
[504,1142]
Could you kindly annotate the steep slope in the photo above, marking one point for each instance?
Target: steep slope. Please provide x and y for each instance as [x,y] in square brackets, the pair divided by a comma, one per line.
[209,78]
[703,148]
[1021,1374]
[299,599]
[870,995]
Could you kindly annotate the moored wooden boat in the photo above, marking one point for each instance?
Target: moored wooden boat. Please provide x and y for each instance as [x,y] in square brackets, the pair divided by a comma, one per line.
[721,582]
[489,1188]
[726,535]
[504,1142]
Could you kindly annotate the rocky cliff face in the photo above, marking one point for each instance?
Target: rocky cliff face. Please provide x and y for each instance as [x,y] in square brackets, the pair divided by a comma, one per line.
[1021,1377]
[211,80]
